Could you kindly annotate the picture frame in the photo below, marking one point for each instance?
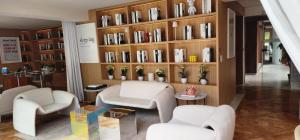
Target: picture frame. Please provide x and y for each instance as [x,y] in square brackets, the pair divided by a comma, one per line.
[231,35]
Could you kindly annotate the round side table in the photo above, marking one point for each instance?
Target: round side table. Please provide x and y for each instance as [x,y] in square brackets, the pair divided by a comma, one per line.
[200,96]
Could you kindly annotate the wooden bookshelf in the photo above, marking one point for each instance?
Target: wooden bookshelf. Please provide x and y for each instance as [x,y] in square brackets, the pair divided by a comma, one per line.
[168,44]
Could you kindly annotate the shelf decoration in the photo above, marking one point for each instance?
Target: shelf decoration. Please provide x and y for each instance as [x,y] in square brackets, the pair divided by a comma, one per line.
[192,9]
[110,71]
[174,25]
[161,74]
[124,70]
[203,73]
[139,72]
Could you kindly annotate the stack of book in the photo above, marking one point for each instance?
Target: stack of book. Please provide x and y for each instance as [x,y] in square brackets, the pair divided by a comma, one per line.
[180,55]
[154,14]
[110,57]
[141,37]
[157,56]
[142,56]
[115,38]
[136,16]
[187,32]
[157,34]
[120,19]
[125,57]
[205,30]
[179,10]
[206,6]
[48,46]
[207,55]
[105,20]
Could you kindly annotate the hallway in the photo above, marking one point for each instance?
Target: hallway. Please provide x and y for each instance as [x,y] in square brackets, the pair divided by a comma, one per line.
[269,110]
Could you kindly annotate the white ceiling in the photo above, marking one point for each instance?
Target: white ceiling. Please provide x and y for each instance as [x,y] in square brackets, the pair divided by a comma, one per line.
[26,23]
[21,13]
[66,10]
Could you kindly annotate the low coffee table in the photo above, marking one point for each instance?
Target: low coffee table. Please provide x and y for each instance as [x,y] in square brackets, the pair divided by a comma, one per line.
[200,96]
[118,123]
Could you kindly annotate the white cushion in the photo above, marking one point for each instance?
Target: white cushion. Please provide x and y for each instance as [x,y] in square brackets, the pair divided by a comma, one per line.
[141,89]
[41,96]
[132,102]
[52,108]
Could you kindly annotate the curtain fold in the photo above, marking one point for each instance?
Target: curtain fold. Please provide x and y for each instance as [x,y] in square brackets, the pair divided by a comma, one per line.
[285,18]
[74,78]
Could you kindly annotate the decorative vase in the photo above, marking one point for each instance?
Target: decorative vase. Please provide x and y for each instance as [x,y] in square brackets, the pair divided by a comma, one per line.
[161,79]
[110,77]
[123,78]
[183,80]
[141,78]
[150,76]
[203,81]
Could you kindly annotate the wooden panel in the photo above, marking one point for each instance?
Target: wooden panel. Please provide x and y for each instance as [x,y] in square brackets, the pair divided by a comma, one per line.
[239,50]
[91,73]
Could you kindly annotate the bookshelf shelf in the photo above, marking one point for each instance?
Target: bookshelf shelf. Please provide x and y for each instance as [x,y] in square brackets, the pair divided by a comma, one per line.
[199,36]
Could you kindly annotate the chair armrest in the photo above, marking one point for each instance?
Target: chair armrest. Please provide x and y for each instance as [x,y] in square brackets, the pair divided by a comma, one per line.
[167,131]
[62,97]
[112,91]
[166,103]
[193,114]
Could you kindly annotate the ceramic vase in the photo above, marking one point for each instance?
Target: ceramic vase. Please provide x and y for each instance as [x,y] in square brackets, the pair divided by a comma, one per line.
[203,81]
[110,77]
[183,80]
[123,78]
[141,78]
[161,79]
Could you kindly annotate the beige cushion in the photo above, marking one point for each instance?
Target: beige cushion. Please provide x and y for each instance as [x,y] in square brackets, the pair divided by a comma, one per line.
[52,108]
[141,89]
[132,102]
[41,96]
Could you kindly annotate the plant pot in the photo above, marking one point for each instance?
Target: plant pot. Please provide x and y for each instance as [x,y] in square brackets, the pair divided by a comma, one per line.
[110,77]
[123,78]
[161,79]
[141,78]
[183,80]
[203,81]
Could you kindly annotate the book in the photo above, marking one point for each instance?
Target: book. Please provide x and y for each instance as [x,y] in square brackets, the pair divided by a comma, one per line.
[205,30]
[154,14]
[179,10]
[207,55]
[187,32]
[180,55]
[157,56]
[206,6]
[188,96]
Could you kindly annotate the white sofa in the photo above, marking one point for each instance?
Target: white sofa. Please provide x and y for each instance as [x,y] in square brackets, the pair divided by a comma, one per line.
[196,122]
[41,101]
[7,98]
[141,94]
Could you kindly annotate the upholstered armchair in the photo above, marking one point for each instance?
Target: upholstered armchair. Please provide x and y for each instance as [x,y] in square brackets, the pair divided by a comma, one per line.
[196,122]
[41,101]
[7,98]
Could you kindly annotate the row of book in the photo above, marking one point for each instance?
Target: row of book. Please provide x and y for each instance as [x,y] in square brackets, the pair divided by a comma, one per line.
[120,19]
[142,56]
[180,55]
[111,57]
[115,38]
[136,16]
[26,58]
[25,48]
[60,57]
[46,46]
[205,31]
[60,45]
[206,6]
[47,57]
[179,10]
[154,14]
[49,35]
[142,36]
[105,20]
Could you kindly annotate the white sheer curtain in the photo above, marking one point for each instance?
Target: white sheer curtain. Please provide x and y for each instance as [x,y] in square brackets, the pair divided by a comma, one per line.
[74,78]
[285,18]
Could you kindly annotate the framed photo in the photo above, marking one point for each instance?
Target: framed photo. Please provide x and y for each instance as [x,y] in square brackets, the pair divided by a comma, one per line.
[230,33]
[10,50]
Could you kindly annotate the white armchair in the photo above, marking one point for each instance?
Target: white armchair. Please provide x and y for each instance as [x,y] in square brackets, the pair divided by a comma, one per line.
[41,101]
[7,98]
[194,122]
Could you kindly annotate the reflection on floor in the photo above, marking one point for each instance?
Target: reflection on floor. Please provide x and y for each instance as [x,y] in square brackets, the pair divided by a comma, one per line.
[275,76]
[269,110]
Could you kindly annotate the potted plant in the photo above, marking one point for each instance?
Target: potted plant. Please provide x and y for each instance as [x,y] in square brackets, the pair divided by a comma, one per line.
[203,73]
[110,71]
[183,74]
[124,70]
[139,72]
[161,74]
